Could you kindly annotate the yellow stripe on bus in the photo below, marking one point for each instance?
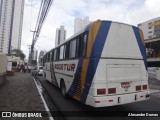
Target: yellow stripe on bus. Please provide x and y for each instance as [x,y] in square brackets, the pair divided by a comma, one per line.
[92,36]
[141,34]
[91,39]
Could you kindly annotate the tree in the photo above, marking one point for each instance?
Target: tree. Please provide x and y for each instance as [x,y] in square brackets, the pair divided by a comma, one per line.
[18,53]
[34,62]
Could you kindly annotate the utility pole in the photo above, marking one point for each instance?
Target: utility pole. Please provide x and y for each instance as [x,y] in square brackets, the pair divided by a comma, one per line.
[29,47]
[44,8]
[32,47]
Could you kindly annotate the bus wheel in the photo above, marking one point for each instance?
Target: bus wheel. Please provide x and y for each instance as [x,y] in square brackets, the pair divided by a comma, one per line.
[63,89]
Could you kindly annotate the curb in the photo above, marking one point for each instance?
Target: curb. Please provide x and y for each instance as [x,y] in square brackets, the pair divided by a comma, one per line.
[45,105]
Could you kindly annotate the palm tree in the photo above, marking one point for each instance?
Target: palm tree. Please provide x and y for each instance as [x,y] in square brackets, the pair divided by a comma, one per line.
[19,53]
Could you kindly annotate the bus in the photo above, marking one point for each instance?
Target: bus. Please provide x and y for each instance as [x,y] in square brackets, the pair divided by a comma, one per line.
[102,65]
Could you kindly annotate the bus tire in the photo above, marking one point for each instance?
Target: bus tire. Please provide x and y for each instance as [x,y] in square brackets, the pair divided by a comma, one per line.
[63,89]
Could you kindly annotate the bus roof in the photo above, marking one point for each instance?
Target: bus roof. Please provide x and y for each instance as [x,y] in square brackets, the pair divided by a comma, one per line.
[86,29]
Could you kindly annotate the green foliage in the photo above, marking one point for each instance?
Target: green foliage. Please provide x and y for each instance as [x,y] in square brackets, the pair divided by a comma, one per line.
[18,53]
[34,62]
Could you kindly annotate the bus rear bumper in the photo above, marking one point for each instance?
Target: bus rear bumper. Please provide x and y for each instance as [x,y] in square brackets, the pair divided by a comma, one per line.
[104,101]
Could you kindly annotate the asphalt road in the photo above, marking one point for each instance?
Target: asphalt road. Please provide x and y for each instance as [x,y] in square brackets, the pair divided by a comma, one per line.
[56,102]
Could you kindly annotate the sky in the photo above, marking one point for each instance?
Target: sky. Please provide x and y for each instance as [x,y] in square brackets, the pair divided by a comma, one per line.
[63,12]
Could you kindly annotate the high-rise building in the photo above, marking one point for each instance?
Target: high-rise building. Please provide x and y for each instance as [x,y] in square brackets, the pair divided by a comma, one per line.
[150,28]
[11,18]
[35,54]
[41,54]
[80,23]
[151,32]
[60,35]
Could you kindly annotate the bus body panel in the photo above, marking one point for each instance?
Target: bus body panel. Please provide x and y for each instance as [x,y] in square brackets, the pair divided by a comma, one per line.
[65,70]
[121,43]
[121,61]
[118,71]
[115,58]
[113,100]
[47,71]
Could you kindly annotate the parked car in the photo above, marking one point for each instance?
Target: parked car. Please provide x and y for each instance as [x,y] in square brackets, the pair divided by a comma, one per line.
[40,70]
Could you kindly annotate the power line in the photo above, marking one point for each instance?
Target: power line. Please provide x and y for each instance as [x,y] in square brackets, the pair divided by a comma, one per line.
[44,8]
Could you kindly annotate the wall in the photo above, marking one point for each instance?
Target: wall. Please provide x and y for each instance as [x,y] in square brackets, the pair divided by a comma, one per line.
[3,64]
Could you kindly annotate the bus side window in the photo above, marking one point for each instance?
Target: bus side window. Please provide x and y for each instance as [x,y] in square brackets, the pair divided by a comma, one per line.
[57,57]
[66,53]
[84,43]
[78,49]
[48,57]
[52,58]
[61,52]
[72,49]
[55,54]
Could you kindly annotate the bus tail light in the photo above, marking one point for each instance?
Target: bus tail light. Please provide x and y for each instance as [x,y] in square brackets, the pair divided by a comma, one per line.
[97,101]
[111,90]
[110,101]
[101,91]
[144,87]
[138,88]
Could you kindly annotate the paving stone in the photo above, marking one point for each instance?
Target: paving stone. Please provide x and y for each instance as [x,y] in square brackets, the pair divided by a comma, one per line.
[19,93]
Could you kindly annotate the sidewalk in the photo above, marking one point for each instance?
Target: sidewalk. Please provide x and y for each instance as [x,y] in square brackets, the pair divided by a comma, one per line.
[19,93]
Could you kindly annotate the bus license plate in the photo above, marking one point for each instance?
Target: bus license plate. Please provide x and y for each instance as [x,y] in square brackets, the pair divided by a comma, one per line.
[125,84]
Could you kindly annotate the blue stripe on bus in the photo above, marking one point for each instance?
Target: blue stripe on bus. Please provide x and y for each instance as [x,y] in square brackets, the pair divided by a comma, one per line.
[74,86]
[93,63]
[140,44]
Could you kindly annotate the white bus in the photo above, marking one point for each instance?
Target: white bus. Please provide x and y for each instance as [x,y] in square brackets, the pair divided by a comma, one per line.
[102,65]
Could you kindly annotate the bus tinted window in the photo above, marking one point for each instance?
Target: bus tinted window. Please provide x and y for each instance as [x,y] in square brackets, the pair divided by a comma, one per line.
[50,56]
[57,57]
[45,58]
[61,52]
[55,54]
[79,47]
[64,53]
[84,43]
[72,49]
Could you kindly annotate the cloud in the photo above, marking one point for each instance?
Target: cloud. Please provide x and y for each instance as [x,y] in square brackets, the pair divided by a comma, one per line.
[63,12]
